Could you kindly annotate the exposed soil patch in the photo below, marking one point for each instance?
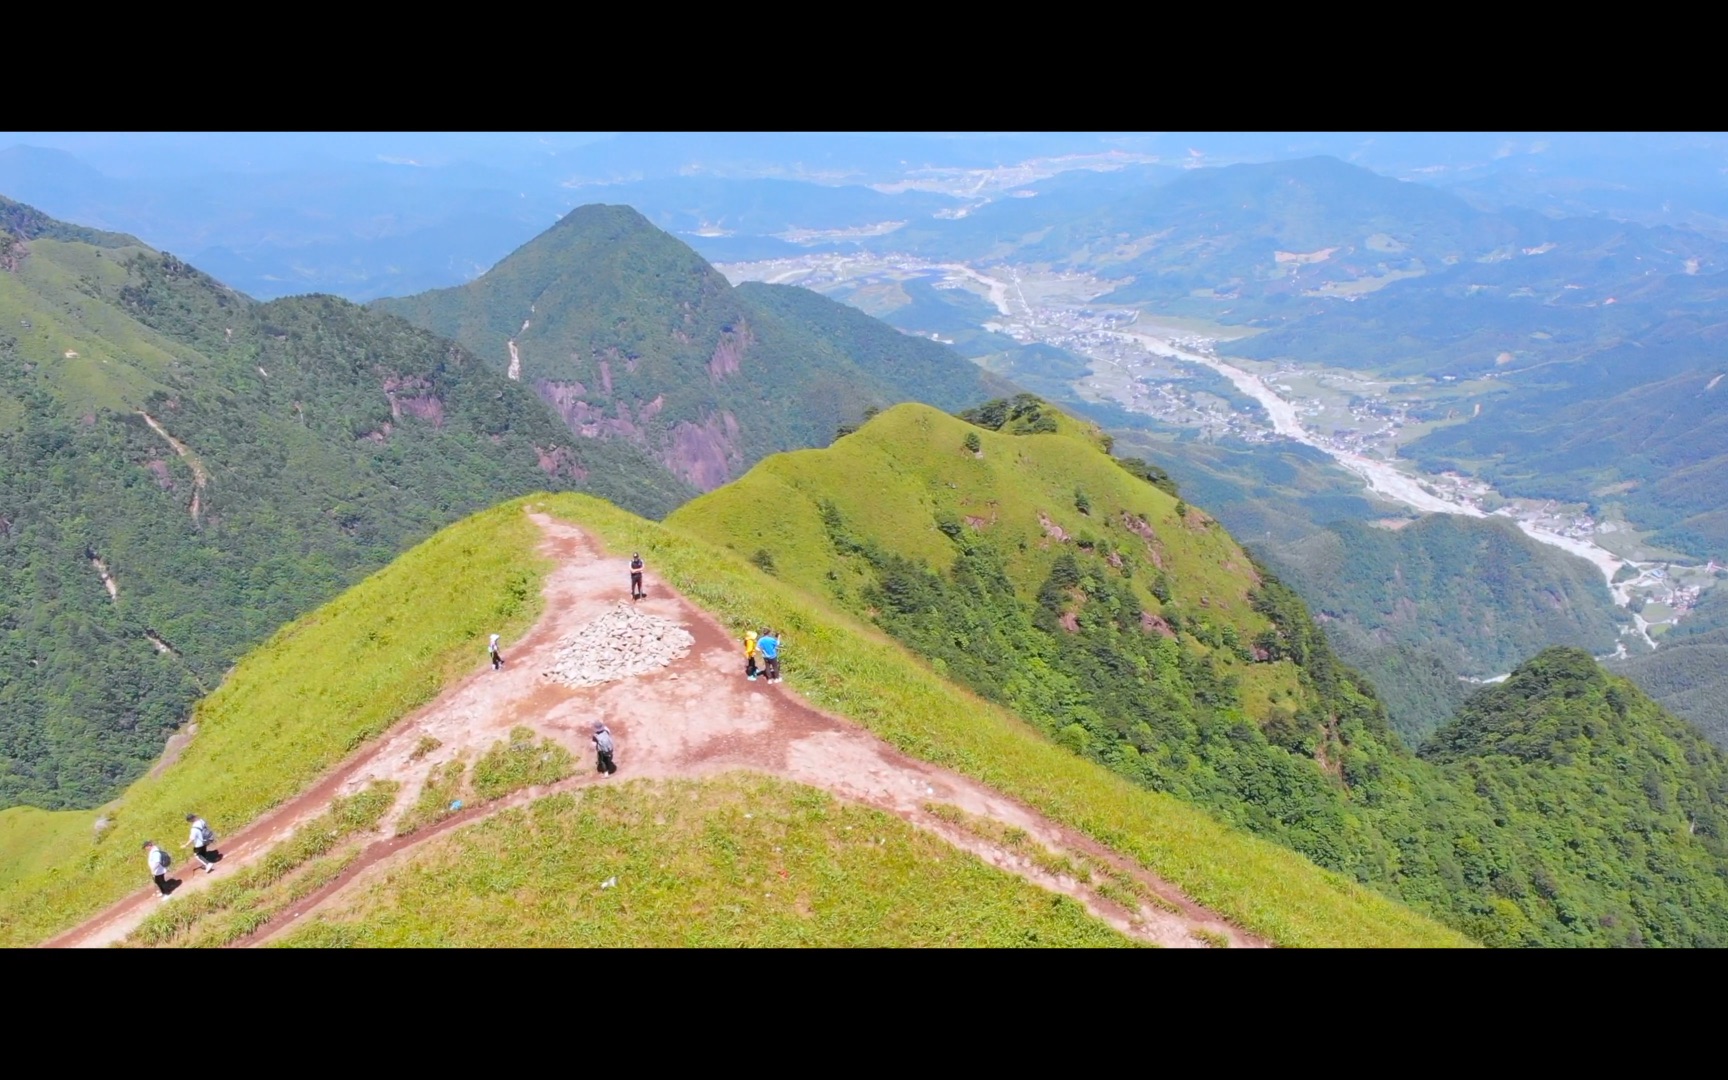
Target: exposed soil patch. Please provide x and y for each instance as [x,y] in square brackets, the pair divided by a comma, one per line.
[199,477]
[177,744]
[108,581]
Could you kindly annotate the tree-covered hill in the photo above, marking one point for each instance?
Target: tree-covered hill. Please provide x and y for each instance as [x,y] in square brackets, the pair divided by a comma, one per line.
[628,334]
[183,470]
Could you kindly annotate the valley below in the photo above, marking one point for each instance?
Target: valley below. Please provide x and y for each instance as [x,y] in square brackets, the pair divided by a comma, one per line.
[1146,363]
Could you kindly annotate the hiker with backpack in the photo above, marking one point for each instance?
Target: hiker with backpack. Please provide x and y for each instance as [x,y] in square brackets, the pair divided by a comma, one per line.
[492,651]
[200,840]
[769,646]
[603,748]
[637,592]
[159,861]
[750,655]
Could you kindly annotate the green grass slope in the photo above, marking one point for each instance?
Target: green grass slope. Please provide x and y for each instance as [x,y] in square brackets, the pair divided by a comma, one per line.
[294,707]
[945,536]
[737,861]
[841,663]
[627,333]
[319,439]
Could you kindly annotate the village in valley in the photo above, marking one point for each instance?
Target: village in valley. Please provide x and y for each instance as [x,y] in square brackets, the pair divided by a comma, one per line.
[1169,369]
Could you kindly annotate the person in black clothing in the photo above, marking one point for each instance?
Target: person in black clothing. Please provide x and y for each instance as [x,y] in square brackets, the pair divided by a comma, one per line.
[636,590]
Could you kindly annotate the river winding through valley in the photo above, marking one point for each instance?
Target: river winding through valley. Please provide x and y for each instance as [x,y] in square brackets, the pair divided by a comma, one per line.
[1382,478]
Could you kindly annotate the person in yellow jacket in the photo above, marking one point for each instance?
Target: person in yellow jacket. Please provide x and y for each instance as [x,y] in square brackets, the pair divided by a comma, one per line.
[750,655]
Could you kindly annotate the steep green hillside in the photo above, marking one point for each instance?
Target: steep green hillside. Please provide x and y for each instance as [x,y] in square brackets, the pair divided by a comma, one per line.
[1478,595]
[291,709]
[339,676]
[1036,571]
[628,334]
[183,470]
[1624,801]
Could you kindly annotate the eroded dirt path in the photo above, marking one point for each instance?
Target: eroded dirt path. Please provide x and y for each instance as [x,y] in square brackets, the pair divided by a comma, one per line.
[695,717]
[199,476]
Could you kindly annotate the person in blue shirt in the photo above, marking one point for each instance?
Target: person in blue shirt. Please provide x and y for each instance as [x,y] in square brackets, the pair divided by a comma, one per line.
[768,644]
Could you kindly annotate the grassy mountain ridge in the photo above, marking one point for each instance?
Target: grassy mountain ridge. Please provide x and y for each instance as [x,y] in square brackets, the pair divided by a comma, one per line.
[412,627]
[182,470]
[628,334]
[291,708]
[19,222]
[1226,694]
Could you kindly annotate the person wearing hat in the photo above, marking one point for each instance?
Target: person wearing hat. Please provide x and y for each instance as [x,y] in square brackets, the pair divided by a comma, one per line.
[636,590]
[750,655]
[603,749]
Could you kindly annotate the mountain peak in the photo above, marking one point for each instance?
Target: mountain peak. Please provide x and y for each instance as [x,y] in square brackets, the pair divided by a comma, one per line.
[1558,706]
[604,215]
[626,332]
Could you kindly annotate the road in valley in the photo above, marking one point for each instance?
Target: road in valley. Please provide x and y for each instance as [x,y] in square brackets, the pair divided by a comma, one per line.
[1381,478]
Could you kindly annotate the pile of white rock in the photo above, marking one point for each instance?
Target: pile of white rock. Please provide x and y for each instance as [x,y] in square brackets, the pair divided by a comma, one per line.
[621,643]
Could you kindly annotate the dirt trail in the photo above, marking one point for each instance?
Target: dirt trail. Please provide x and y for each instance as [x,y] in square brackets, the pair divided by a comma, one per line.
[199,476]
[695,717]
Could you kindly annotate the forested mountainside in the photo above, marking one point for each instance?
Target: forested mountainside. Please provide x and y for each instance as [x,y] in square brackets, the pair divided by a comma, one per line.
[183,470]
[628,334]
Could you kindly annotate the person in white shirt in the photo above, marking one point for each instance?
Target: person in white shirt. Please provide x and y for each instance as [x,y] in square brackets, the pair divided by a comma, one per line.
[200,841]
[492,651]
[158,861]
